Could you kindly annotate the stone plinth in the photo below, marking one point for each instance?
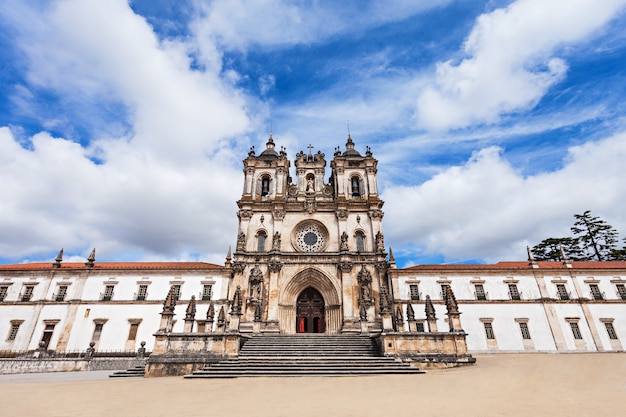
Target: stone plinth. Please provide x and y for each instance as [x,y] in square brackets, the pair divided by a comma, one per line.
[441,348]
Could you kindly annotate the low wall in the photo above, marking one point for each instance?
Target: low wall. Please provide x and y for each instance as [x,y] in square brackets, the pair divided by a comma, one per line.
[24,366]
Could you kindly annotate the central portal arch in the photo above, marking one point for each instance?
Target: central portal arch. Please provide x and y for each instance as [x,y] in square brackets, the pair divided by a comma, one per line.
[314,294]
[310,312]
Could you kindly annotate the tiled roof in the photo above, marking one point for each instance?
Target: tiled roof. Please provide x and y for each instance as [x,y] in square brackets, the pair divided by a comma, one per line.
[522,265]
[110,265]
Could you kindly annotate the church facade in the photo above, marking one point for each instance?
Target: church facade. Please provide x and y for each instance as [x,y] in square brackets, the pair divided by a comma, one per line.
[310,257]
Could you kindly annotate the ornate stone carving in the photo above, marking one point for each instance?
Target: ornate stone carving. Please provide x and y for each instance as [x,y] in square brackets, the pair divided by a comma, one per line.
[244,214]
[310,206]
[327,190]
[279,214]
[237,302]
[255,283]
[342,214]
[380,242]
[343,244]
[365,290]
[385,304]
[210,313]
[274,266]
[257,312]
[376,214]
[238,267]
[429,309]
[363,312]
[310,186]
[381,267]
[221,317]
[345,266]
[410,314]
[292,190]
[399,320]
[170,301]
[450,300]
[241,241]
[190,313]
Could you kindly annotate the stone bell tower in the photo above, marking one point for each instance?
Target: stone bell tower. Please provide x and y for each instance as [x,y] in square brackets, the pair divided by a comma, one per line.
[310,254]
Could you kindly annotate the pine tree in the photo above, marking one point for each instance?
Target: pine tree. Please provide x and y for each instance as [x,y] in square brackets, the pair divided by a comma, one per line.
[596,237]
[550,249]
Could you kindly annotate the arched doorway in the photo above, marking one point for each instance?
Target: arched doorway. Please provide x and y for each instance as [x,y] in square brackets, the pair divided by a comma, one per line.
[310,312]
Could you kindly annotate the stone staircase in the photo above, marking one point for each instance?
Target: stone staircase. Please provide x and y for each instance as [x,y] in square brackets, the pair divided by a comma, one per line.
[306,355]
[137,372]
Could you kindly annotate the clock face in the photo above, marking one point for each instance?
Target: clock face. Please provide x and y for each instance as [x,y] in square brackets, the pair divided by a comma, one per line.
[310,237]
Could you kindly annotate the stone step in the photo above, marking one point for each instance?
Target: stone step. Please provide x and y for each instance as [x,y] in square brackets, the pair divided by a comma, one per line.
[137,371]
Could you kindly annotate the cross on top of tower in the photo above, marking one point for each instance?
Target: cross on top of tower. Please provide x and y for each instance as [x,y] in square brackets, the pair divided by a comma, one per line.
[310,149]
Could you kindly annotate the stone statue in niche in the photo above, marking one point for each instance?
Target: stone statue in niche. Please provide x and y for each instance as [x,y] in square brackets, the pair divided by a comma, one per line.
[241,241]
[276,241]
[343,244]
[365,281]
[310,186]
[380,242]
[255,282]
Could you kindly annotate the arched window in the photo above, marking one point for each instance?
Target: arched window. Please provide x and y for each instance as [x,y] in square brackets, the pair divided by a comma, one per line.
[360,242]
[261,237]
[356,186]
[265,186]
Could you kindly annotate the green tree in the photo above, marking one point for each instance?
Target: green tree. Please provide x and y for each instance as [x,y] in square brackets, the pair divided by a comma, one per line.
[596,237]
[619,254]
[550,249]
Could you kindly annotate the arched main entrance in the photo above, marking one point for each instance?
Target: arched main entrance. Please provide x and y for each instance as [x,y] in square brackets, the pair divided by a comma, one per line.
[310,312]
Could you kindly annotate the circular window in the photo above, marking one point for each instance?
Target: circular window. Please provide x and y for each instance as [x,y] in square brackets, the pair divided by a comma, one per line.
[310,237]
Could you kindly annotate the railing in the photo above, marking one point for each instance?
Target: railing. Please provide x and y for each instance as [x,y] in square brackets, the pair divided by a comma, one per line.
[25,297]
[598,296]
[59,297]
[564,296]
[416,297]
[106,297]
[204,297]
[140,297]
[484,296]
[70,354]
[517,296]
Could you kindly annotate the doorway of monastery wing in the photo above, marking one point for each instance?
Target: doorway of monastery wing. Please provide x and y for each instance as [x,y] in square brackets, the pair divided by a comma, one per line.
[310,316]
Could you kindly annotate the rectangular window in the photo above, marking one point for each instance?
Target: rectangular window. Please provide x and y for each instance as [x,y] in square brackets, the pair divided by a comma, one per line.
[444,290]
[207,289]
[62,293]
[523,326]
[142,293]
[108,293]
[489,331]
[610,330]
[562,292]
[419,326]
[621,290]
[97,332]
[513,292]
[414,291]
[3,292]
[132,334]
[595,292]
[15,326]
[575,330]
[28,293]
[176,292]
[480,292]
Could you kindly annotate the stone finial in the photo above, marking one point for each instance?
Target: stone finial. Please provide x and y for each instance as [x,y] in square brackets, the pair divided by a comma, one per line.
[221,317]
[380,242]
[58,259]
[241,241]
[430,309]
[237,302]
[91,259]
[257,312]
[565,258]
[210,313]
[229,257]
[170,301]
[141,352]
[531,258]
[385,304]
[190,313]
[399,318]
[451,304]
[363,312]
[410,314]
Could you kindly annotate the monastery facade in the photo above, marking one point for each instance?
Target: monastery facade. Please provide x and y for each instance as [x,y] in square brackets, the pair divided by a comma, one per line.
[310,257]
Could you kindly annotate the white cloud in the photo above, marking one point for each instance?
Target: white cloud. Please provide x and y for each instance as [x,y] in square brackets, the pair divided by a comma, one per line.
[54,196]
[509,61]
[104,51]
[239,24]
[486,210]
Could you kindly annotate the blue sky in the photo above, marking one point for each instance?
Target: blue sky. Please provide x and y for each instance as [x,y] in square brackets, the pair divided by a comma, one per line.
[123,124]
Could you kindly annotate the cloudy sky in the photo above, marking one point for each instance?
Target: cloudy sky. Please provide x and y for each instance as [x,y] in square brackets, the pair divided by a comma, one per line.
[123,124]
